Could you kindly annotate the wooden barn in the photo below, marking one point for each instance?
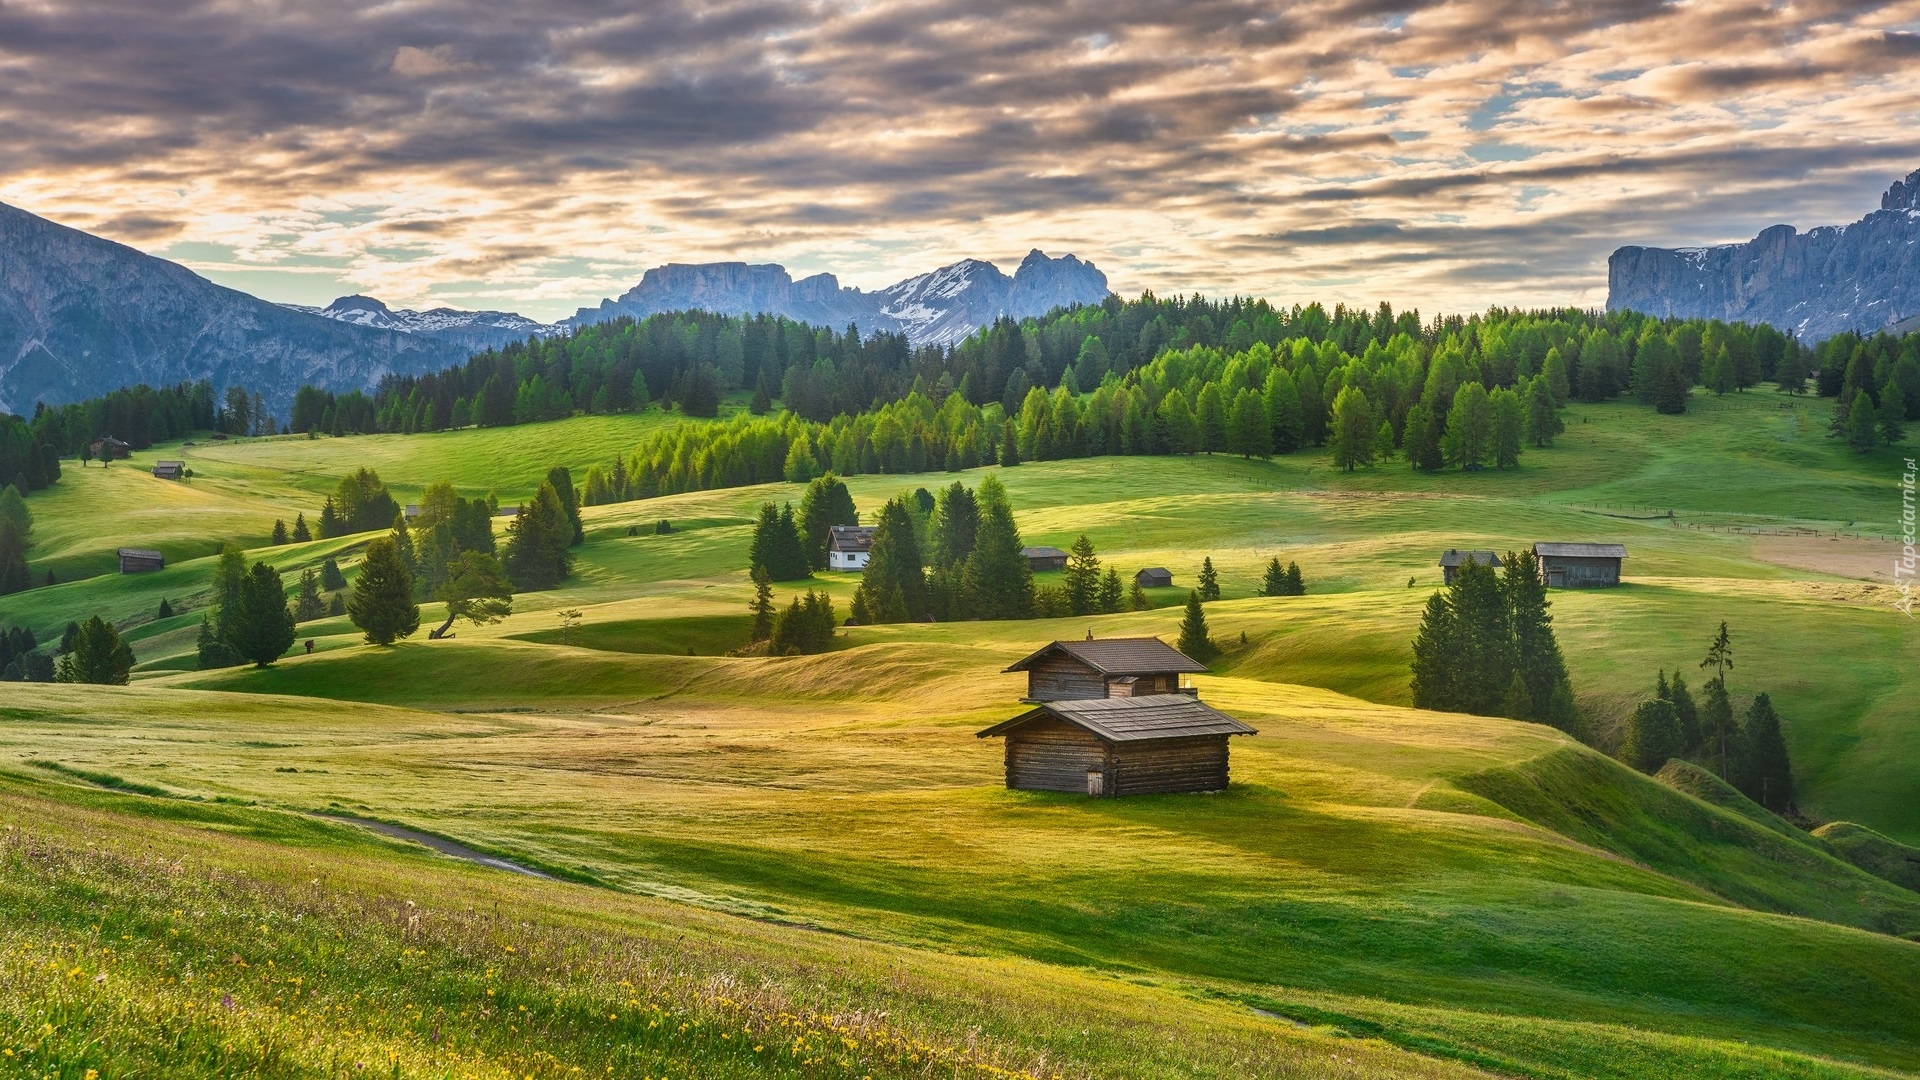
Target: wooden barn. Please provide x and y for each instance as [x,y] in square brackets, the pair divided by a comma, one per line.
[1105,667]
[169,470]
[1579,566]
[140,561]
[1451,560]
[110,448]
[849,546]
[1154,577]
[1045,558]
[1119,746]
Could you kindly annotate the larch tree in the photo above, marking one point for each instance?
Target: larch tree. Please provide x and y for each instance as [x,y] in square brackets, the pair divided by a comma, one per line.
[1353,429]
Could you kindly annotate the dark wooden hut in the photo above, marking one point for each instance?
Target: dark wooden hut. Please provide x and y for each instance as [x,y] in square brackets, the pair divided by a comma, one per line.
[1579,566]
[1105,667]
[110,448]
[140,560]
[169,470]
[1119,746]
[1045,558]
[1450,561]
[1154,577]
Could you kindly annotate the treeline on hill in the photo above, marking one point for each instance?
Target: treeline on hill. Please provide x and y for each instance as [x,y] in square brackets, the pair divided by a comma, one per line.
[141,416]
[1486,646]
[1748,753]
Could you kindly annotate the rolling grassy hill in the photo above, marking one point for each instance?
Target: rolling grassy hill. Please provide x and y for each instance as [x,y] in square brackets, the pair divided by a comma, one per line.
[1440,892]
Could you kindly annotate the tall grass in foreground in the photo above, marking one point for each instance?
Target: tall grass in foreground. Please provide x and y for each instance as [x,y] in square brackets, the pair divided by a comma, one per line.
[118,964]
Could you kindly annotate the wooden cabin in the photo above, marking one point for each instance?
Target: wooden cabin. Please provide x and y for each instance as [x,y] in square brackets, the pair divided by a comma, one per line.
[1045,558]
[1452,559]
[1579,566]
[110,448]
[140,561]
[1106,667]
[849,546]
[169,470]
[1154,577]
[1119,746]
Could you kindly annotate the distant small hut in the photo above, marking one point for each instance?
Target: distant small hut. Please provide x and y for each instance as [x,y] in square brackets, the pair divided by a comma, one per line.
[1154,577]
[849,546]
[1045,558]
[169,470]
[1451,561]
[1109,718]
[411,511]
[110,448]
[140,561]
[1579,566]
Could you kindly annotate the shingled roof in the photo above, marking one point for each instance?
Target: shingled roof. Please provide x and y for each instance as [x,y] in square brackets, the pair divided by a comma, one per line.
[1454,557]
[1582,551]
[1121,656]
[1132,719]
[851,538]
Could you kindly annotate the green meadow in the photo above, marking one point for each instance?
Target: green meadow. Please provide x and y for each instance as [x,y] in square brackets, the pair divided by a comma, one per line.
[1382,892]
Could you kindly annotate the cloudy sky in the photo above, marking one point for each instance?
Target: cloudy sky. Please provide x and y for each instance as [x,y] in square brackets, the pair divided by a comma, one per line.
[539,156]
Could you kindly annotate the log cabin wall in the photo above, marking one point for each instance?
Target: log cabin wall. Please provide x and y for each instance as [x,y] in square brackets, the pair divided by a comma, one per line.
[1194,763]
[1062,678]
[1053,755]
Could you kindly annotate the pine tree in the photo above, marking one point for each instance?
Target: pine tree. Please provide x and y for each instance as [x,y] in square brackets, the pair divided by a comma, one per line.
[1209,580]
[563,489]
[1670,396]
[300,532]
[337,606]
[329,520]
[1275,583]
[262,627]
[1009,445]
[1296,585]
[1518,703]
[98,656]
[1536,652]
[1194,640]
[279,532]
[1110,591]
[16,535]
[1653,736]
[1483,652]
[1687,712]
[1436,685]
[894,586]
[1082,578]
[537,555]
[1137,597]
[827,503]
[778,546]
[762,606]
[1769,775]
[762,402]
[382,605]
[166,609]
[331,579]
[476,589]
[308,603]
[956,526]
[1719,734]
[403,540]
[999,580]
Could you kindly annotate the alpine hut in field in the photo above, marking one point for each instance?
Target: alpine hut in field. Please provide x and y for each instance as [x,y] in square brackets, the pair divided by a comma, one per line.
[1045,558]
[1154,577]
[140,560]
[849,546]
[1450,561]
[1579,566]
[169,470]
[1109,717]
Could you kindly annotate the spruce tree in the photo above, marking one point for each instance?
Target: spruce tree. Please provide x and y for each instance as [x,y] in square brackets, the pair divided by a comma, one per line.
[1653,736]
[1194,639]
[98,656]
[1483,650]
[894,586]
[1670,396]
[563,489]
[382,605]
[1275,583]
[956,526]
[308,604]
[1296,585]
[262,627]
[1082,578]
[1110,591]
[279,532]
[1209,580]
[16,528]
[999,580]
[337,605]
[827,503]
[1719,734]
[1769,775]
[1137,597]
[1687,711]
[329,520]
[301,534]
[215,644]
[762,606]
[331,579]
[1009,445]
[1891,418]
[1435,682]
[1518,703]
[537,555]
[166,609]
[1536,652]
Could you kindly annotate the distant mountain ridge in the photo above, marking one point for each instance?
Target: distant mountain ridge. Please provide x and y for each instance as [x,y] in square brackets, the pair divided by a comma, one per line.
[476,331]
[937,308]
[1862,277]
[80,316]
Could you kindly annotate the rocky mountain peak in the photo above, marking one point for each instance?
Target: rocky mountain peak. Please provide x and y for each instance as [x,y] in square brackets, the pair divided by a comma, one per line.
[1904,194]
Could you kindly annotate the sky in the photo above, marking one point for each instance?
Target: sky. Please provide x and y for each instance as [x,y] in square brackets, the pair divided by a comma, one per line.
[536,157]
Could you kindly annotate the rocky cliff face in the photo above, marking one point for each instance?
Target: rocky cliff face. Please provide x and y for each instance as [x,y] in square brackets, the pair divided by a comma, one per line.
[1864,276]
[80,316]
[940,307]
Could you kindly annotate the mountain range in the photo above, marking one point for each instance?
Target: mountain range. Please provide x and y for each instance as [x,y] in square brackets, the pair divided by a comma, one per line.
[937,308]
[1863,277]
[81,315]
